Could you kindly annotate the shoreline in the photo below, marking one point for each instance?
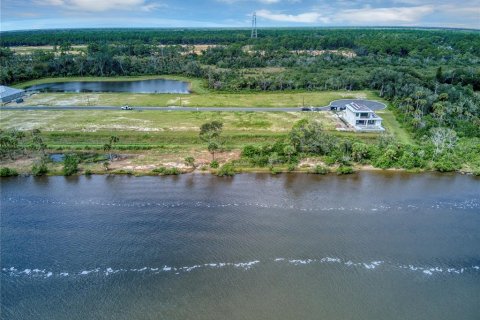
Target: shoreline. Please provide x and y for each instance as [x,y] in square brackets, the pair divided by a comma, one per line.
[125,171]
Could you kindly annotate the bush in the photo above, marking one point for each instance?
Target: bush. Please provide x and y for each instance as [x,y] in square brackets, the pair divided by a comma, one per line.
[319,169]
[40,169]
[190,161]
[360,151]
[88,172]
[214,164]
[291,167]
[166,171]
[344,170]
[447,163]
[274,170]
[227,170]
[330,160]
[7,172]
[411,159]
[122,171]
[70,164]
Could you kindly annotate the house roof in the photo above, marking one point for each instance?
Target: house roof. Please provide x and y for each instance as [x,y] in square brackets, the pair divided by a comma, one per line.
[358,107]
[8,91]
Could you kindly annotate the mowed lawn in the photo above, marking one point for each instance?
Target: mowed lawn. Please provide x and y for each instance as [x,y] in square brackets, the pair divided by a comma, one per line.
[93,127]
[154,121]
[257,99]
[201,96]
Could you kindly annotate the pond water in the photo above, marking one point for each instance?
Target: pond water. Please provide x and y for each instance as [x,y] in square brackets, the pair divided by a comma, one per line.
[255,246]
[140,86]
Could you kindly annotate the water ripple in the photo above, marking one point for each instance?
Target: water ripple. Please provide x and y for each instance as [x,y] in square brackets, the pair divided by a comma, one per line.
[469,204]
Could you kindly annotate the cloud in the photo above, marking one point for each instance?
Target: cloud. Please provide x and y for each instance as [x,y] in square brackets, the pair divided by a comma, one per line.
[307,17]
[259,1]
[360,16]
[384,15]
[102,5]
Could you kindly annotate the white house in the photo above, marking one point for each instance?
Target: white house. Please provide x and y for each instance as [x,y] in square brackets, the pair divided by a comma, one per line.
[361,118]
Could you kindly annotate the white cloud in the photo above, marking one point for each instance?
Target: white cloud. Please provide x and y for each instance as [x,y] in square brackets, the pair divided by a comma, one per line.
[102,5]
[384,15]
[260,1]
[307,17]
[361,16]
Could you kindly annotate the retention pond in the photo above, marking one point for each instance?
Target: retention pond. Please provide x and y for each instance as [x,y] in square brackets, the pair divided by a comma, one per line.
[140,86]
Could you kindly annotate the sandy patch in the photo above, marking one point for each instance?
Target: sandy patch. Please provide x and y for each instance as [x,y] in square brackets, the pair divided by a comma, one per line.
[357,95]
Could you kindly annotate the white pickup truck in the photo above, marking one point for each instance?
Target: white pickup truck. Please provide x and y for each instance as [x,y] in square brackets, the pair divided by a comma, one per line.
[127,108]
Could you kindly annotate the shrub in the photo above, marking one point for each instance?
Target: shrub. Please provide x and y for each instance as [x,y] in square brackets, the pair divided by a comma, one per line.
[214,164]
[7,172]
[166,171]
[70,164]
[40,169]
[190,161]
[274,170]
[344,170]
[319,169]
[330,160]
[121,171]
[88,172]
[291,167]
[227,170]
[411,159]
[360,151]
[447,163]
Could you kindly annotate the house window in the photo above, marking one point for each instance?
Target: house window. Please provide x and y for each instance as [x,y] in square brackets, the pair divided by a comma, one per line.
[360,122]
[364,115]
[357,114]
[371,122]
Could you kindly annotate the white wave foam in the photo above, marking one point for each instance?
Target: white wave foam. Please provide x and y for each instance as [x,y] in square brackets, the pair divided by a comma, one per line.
[246,265]
[371,265]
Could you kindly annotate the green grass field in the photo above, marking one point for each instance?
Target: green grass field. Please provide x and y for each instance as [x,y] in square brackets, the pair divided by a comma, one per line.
[394,127]
[153,121]
[200,96]
[156,138]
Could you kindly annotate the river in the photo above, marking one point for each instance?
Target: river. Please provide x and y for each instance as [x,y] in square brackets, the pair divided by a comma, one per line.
[255,246]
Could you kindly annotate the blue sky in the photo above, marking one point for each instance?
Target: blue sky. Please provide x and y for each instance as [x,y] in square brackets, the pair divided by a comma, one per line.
[46,14]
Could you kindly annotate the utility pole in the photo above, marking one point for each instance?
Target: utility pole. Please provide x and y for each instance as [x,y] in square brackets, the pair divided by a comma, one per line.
[253,35]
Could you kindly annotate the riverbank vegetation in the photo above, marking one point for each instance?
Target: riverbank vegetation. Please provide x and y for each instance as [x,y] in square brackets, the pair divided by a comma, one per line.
[430,78]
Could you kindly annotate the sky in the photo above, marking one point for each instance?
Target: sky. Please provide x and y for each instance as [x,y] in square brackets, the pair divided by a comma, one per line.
[54,14]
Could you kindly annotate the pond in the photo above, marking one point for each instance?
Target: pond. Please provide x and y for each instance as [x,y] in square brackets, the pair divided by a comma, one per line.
[255,246]
[138,86]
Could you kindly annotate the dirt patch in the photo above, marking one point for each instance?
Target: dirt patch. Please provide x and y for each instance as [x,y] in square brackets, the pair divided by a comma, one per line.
[357,95]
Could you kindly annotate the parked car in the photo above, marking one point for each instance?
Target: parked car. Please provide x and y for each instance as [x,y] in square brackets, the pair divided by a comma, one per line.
[127,108]
[307,109]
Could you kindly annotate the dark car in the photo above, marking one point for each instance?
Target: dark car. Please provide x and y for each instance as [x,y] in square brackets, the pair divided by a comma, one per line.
[307,109]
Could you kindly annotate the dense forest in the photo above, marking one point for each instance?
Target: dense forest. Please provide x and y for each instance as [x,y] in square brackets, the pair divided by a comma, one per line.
[432,77]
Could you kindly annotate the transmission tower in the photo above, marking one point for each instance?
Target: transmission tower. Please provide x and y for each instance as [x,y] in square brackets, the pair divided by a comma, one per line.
[253,35]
